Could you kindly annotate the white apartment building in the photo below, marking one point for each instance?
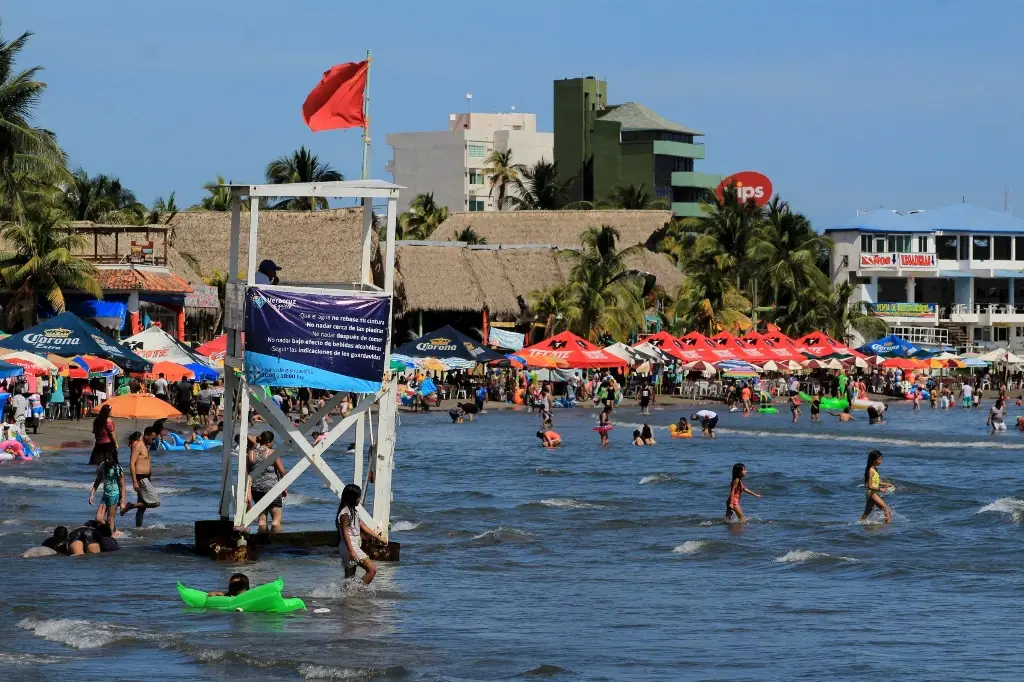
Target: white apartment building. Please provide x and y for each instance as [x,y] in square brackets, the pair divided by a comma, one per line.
[452,163]
[952,275]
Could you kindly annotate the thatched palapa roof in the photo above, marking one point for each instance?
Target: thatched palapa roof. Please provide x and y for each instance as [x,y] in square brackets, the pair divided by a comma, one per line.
[452,276]
[313,247]
[559,228]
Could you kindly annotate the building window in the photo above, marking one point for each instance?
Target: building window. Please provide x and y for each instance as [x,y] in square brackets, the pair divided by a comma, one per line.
[1001,334]
[982,247]
[945,247]
[879,244]
[1018,332]
[865,243]
[1000,248]
[665,166]
[922,244]
[965,247]
[477,151]
[1019,245]
[689,195]
[476,177]
[899,243]
[476,205]
[652,135]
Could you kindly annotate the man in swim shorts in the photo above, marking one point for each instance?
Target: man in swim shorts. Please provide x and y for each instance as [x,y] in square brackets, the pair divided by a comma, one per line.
[141,468]
[967,393]
[708,421]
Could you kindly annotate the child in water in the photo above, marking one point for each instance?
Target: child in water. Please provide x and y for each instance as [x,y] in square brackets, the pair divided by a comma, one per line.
[549,438]
[875,486]
[604,424]
[736,490]
[237,584]
[110,476]
[815,409]
[350,532]
[637,440]
[794,407]
[647,436]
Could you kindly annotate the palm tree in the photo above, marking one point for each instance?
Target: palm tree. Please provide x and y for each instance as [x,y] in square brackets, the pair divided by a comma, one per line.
[162,210]
[469,235]
[501,173]
[785,252]
[537,188]
[554,307]
[608,294]
[422,218]
[633,197]
[301,166]
[726,230]
[220,196]
[708,300]
[102,199]
[835,314]
[31,161]
[42,264]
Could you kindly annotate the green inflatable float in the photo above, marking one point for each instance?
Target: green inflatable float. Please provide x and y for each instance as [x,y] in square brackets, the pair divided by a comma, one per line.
[263,599]
[768,409]
[828,403]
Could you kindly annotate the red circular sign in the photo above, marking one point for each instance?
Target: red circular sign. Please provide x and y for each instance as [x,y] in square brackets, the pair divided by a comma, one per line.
[750,186]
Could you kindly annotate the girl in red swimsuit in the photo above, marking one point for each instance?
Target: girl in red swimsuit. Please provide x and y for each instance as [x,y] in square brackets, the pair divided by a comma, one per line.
[736,490]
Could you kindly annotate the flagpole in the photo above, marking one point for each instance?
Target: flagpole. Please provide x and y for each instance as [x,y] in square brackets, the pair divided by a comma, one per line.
[366,117]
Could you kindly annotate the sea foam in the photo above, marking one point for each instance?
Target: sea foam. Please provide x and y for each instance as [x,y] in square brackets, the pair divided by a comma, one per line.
[1011,506]
[691,546]
[799,556]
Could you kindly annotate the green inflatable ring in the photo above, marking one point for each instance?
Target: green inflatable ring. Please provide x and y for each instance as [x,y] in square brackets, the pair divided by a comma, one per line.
[767,410]
[263,599]
[828,403]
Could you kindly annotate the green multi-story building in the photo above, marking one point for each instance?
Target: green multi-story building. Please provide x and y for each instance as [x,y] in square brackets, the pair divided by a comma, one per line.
[599,146]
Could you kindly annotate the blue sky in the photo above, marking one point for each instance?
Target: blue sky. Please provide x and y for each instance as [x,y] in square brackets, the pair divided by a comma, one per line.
[845,105]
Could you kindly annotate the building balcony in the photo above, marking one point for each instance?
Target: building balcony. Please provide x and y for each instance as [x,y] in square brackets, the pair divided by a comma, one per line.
[986,314]
[687,209]
[689,151]
[695,179]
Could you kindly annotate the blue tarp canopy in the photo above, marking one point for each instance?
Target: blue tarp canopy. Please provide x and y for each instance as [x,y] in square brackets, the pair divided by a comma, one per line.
[7,370]
[202,372]
[891,346]
[67,335]
[447,342]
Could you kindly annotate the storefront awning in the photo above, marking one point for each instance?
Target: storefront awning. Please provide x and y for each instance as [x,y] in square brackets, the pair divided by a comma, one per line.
[956,274]
[1012,274]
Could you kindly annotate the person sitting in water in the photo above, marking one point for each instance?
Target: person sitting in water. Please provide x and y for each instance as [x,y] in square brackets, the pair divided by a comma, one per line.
[107,541]
[237,584]
[637,439]
[549,438]
[683,427]
[456,413]
[647,435]
[58,542]
[844,416]
[83,540]
[211,432]
[875,415]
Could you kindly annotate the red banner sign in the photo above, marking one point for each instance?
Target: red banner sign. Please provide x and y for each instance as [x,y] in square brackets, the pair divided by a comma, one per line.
[917,260]
[877,260]
[750,186]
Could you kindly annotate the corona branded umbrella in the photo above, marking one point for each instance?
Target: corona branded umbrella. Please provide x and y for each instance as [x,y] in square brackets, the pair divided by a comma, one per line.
[447,342]
[69,336]
[890,346]
[577,353]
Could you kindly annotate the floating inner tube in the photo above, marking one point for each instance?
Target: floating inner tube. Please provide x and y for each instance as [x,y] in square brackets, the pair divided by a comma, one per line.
[674,432]
[767,409]
[263,599]
[603,429]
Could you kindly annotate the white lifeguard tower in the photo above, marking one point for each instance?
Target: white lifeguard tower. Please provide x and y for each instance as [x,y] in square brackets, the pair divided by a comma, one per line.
[240,394]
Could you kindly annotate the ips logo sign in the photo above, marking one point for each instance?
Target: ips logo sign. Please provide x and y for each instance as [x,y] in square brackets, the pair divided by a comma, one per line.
[748,185]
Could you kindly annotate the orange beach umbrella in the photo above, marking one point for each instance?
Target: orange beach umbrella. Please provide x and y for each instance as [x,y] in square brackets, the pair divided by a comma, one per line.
[140,406]
[172,371]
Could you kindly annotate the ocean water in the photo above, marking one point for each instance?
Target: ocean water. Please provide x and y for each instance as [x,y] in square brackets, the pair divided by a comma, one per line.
[581,563]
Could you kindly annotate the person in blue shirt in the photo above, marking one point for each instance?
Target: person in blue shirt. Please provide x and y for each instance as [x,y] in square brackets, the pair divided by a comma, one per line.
[480,396]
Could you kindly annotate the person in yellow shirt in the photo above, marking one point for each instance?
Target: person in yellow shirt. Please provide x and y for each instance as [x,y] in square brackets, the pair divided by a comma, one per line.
[874,486]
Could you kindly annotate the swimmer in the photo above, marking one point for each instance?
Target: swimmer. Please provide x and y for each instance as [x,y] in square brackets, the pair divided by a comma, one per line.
[605,423]
[875,415]
[708,422]
[844,416]
[933,398]
[683,427]
[637,440]
[647,435]
[237,584]
[736,490]
[917,398]
[995,417]
[794,407]
[875,486]
[549,439]
[1020,400]
[815,409]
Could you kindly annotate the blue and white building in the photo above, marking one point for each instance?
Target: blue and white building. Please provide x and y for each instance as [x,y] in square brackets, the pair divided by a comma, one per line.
[950,275]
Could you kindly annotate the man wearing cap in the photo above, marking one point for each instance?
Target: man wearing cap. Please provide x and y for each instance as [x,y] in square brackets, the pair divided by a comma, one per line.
[267,272]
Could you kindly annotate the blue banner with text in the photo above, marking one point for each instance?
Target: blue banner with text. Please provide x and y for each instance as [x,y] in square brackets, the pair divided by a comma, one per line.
[336,343]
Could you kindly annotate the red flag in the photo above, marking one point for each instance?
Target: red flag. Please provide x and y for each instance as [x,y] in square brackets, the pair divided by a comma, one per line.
[337,101]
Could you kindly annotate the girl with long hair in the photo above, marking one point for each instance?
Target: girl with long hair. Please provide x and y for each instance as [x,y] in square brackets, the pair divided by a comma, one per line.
[874,486]
[350,532]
